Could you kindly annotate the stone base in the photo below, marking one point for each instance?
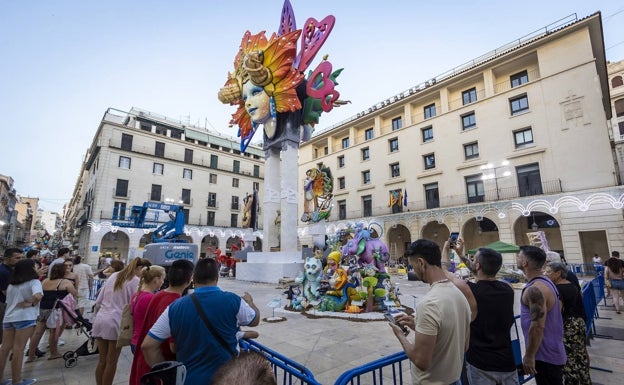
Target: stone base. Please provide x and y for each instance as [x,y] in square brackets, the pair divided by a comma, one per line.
[270,267]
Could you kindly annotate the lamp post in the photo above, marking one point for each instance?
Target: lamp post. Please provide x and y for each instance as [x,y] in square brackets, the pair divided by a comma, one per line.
[494,174]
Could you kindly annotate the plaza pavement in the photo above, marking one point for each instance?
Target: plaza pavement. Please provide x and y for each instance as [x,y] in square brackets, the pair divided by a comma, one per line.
[326,346]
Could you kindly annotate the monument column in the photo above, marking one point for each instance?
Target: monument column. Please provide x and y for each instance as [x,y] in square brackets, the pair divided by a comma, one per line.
[289,184]
[271,198]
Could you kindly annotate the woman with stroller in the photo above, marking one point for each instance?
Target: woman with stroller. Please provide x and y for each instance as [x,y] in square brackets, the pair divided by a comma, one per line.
[23,295]
[114,295]
[55,287]
[152,279]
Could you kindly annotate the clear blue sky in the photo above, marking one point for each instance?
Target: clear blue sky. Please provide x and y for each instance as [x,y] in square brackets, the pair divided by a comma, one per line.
[64,62]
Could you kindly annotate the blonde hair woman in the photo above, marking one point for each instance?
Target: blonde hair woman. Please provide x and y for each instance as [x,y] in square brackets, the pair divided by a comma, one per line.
[152,279]
[114,295]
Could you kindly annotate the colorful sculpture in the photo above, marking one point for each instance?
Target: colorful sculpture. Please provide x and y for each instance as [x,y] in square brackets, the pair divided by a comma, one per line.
[318,187]
[268,79]
[310,278]
[370,251]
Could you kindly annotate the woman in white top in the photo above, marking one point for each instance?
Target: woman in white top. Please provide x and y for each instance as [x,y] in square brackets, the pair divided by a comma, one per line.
[23,296]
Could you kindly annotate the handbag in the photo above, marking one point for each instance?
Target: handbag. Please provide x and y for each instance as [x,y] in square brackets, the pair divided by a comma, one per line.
[126,325]
[54,319]
[210,327]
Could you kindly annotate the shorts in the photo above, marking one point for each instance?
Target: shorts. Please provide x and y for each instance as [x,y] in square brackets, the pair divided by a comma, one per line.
[19,325]
[43,315]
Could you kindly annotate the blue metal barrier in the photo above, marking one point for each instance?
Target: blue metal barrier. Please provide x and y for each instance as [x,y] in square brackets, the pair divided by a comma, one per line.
[95,288]
[373,371]
[289,371]
[517,352]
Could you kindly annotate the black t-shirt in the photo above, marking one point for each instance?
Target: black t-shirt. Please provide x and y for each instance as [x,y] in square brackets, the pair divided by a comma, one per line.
[5,274]
[572,300]
[490,340]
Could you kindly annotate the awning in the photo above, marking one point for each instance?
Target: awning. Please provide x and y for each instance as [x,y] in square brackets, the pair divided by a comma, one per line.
[499,246]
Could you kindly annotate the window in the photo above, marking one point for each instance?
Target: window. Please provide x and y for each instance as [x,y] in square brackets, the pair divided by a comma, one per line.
[469,96]
[256,186]
[432,195]
[519,104]
[616,82]
[529,180]
[366,177]
[158,168]
[429,161]
[235,182]
[211,218]
[469,121]
[121,190]
[367,206]
[212,199]
[234,202]
[187,215]
[325,150]
[342,209]
[394,144]
[126,142]
[315,153]
[124,162]
[146,127]
[214,161]
[345,142]
[119,210]
[471,150]
[621,128]
[365,153]
[159,150]
[474,188]
[523,138]
[519,79]
[430,111]
[619,108]
[341,183]
[395,170]
[187,174]
[256,171]
[186,196]
[427,134]
[188,156]
[212,178]
[236,166]
[234,220]
[341,161]
[156,193]
[368,134]
[397,123]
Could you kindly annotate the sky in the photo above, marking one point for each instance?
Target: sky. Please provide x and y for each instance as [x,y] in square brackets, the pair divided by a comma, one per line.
[63,63]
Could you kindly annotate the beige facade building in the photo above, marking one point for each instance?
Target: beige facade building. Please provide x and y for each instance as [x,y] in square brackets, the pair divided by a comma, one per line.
[139,157]
[514,142]
[616,86]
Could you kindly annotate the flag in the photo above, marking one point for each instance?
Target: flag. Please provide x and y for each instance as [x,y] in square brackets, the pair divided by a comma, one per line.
[404,197]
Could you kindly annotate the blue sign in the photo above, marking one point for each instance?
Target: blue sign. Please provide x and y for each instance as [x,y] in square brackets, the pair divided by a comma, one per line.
[94,248]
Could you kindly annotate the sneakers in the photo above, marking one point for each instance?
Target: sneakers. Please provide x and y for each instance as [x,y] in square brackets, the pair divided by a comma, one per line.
[61,342]
[26,381]
[38,353]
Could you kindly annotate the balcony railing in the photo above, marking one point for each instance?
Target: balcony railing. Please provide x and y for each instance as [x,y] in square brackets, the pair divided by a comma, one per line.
[506,85]
[457,103]
[490,195]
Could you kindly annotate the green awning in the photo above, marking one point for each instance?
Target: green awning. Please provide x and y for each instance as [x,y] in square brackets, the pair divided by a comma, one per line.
[499,246]
[196,135]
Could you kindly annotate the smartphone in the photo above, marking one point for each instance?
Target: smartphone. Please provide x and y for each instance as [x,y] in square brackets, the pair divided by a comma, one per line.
[391,319]
[454,237]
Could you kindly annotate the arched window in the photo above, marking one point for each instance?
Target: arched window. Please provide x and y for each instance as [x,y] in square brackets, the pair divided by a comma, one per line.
[616,82]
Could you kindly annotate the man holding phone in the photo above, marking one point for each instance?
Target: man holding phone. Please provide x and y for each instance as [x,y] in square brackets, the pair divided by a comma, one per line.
[441,324]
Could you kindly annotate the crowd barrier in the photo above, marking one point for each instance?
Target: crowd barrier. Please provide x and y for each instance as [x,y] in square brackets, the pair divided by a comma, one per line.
[392,369]
[95,288]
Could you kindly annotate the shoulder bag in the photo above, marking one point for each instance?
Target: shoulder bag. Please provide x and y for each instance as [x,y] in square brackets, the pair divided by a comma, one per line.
[210,327]
[126,325]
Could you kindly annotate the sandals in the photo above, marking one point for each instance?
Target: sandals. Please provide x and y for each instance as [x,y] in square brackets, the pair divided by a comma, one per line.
[31,359]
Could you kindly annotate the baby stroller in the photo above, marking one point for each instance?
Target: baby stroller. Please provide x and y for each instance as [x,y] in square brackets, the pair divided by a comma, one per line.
[73,317]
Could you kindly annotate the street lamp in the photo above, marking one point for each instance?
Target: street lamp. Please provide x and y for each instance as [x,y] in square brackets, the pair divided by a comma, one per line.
[494,174]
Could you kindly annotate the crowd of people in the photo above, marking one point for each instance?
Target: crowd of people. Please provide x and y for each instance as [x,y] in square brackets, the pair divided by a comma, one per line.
[459,325]
[475,318]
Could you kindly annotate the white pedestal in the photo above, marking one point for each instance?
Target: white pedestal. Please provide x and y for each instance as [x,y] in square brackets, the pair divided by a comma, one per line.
[270,267]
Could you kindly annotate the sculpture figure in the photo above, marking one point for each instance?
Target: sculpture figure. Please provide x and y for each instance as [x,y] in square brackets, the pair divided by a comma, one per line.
[310,278]
[317,187]
[372,251]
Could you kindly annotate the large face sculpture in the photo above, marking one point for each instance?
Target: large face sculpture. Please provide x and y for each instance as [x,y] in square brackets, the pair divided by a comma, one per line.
[256,102]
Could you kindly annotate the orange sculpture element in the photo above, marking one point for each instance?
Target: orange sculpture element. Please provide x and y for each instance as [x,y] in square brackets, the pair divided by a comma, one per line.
[268,64]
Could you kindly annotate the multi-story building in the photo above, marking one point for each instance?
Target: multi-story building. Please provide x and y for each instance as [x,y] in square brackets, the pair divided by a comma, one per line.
[8,199]
[24,217]
[139,157]
[516,141]
[616,88]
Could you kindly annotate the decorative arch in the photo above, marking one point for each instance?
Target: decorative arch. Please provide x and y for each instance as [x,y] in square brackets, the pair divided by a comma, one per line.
[538,221]
[208,245]
[479,231]
[115,244]
[399,238]
[436,231]
[616,81]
